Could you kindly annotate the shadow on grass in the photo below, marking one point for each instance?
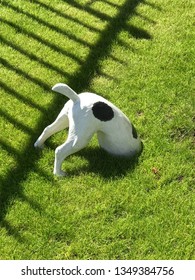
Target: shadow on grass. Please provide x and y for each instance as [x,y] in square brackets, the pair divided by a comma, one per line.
[103,164]
[102,48]
[39,39]
[12,181]
[46,23]
[33,57]
[13,93]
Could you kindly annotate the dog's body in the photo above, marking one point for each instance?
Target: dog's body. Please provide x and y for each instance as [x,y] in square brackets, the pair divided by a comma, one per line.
[86,114]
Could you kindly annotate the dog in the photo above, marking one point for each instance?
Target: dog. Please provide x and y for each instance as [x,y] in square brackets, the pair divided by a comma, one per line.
[86,114]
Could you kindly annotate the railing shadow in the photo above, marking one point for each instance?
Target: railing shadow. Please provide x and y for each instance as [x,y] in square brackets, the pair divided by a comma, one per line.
[11,182]
[101,49]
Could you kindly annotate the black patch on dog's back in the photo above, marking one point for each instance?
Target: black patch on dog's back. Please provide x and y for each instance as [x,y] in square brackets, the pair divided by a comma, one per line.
[102,111]
[134,132]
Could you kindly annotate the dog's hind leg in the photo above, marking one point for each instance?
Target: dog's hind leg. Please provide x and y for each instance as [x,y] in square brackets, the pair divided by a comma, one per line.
[59,124]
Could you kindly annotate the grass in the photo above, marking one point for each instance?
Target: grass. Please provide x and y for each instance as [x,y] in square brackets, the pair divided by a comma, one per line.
[139,55]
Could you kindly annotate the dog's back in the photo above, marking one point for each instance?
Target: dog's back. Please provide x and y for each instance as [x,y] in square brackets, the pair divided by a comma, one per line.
[115,132]
[85,114]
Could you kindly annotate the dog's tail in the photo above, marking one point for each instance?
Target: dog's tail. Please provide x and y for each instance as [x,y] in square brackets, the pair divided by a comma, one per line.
[66,90]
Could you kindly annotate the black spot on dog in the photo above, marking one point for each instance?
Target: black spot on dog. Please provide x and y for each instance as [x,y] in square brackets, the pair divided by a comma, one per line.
[134,132]
[102,111]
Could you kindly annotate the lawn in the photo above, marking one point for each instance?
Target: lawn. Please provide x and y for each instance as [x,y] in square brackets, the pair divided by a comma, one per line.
[140,55]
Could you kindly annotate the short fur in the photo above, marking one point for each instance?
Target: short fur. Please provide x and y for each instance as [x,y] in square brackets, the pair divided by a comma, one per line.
[86,114]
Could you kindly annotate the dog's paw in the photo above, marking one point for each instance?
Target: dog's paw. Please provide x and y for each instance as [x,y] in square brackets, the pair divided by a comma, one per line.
[38,145]
[59,173]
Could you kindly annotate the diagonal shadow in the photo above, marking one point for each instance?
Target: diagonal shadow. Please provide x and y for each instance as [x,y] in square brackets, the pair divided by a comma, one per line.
[38,38]
[105,1]
[16,123]
[102,47]
[64,15]
[22,73]
[47,24]
[32,56]
[20,97]
[11,183]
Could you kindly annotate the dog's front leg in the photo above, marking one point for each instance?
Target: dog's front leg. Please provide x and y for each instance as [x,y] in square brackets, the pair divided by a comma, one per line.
[62,152]
[73,144]
[80,133]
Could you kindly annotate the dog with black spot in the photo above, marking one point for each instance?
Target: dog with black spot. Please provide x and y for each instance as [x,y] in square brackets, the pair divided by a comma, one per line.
[86,114]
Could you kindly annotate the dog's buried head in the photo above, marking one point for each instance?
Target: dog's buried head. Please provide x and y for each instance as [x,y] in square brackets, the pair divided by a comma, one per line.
[86,114]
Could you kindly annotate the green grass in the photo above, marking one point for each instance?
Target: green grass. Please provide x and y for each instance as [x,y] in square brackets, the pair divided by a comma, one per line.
[139,55]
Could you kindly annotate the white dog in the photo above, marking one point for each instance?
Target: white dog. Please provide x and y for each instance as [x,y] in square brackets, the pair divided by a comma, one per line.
[86,114]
